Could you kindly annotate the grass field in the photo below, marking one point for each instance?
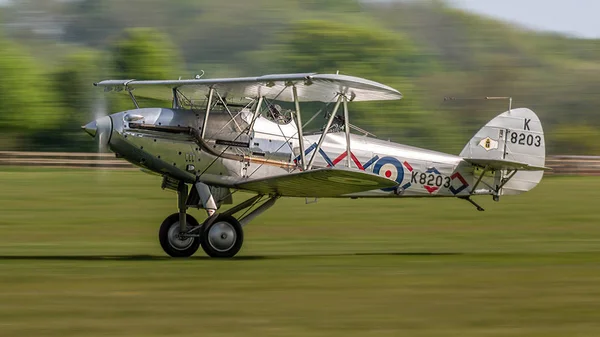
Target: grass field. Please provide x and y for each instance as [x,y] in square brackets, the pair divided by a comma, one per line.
[79,257]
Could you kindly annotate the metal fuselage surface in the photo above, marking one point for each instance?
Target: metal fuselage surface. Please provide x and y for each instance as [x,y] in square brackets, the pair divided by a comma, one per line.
[166,141]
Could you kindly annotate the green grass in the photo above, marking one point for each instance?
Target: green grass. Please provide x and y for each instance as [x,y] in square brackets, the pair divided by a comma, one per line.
[79,256]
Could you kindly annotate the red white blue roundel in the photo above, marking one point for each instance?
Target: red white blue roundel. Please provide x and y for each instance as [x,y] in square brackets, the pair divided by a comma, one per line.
[390,168]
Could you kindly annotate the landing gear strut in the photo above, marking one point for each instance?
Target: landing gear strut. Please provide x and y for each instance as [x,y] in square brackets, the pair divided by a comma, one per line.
[221,235]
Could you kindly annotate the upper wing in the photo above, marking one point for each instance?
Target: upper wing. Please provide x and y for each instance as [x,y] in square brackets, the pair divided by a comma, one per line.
[311,87]
[327,182]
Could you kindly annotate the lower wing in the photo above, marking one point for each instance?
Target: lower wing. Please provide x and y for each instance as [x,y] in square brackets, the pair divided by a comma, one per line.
[327,182]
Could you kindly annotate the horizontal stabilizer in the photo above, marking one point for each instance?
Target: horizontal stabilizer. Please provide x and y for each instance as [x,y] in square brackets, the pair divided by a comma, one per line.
[326,182]
[500,164]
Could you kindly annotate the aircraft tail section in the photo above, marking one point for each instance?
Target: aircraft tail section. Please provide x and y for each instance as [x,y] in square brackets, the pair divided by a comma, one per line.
[511,142]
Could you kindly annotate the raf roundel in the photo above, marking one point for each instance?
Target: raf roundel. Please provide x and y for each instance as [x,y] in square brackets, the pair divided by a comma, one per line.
[390,168]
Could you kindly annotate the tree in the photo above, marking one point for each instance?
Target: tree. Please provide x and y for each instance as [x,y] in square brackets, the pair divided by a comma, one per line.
[367,51]
[28,101]
[73,83]
[319,45]
[70,104]
[145,53]
[575,139]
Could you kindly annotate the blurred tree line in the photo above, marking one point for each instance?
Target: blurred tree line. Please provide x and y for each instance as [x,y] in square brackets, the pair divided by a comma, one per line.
[52,51]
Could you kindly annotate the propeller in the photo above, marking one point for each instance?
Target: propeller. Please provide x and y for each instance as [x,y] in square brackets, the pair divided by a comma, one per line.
[101,127]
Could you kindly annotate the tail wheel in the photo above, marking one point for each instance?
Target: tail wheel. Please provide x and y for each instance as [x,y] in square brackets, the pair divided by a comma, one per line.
[222,236]
[170,240]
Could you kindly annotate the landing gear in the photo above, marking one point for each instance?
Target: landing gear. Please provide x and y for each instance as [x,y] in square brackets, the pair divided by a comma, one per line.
[221,236]
[171,239]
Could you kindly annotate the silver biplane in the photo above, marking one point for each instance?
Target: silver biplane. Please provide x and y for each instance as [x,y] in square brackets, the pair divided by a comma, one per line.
[230,134]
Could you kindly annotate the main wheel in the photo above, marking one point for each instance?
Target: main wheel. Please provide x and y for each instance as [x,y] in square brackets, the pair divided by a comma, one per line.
[222,236]
[172,243]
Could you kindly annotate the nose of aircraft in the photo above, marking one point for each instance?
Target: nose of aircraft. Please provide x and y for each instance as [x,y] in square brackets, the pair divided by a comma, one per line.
[91,128]
[100,130]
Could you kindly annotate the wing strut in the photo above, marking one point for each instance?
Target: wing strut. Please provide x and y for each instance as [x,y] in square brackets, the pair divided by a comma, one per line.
[239,128]
[347,131]
[255,115]
[175,104]
[299,125]
[137,106]
[208,105]
[333,114]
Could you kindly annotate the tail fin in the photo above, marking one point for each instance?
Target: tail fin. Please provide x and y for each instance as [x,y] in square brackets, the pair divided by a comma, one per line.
[514,140]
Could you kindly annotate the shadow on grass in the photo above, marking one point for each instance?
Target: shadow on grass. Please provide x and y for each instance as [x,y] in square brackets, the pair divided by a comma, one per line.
[237,258]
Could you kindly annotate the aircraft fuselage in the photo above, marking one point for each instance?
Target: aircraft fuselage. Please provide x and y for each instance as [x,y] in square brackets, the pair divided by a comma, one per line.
[165,141]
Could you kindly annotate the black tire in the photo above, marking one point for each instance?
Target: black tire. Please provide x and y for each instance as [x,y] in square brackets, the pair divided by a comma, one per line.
[167,237]
[224,247]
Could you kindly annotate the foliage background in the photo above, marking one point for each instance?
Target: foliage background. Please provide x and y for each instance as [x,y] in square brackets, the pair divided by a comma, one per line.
[52,51]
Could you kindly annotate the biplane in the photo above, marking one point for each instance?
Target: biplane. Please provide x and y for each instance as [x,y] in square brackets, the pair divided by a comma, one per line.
[247,134]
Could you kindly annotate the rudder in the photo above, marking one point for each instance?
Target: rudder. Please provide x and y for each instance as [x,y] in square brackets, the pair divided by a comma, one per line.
[513,136]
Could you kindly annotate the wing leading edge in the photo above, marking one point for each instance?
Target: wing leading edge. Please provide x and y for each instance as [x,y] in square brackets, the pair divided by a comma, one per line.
[327,182]
[311,87]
